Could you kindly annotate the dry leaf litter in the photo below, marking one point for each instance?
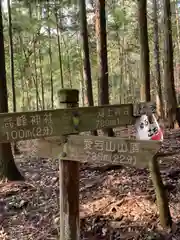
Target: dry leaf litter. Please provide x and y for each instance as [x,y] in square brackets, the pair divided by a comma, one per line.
[116,203]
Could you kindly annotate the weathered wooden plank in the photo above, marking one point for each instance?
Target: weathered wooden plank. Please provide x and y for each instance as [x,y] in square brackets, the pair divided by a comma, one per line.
[50,147]
[69,181]
[31,125]
[110,150]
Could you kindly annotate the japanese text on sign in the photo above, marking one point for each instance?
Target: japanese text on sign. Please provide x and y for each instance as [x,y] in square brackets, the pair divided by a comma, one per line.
[110,158]
[39,126]
[96,150]
[111,146]
[111,117]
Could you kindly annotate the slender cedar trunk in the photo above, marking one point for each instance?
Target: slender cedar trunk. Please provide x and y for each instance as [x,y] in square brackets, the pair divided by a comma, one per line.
[104,85]
[168,65]
[35,75]
[123,63]
[51,74]
[23,73]
[36,78]
[97,30]
[82,76]
[121,92]
[120,56]
[50,58]
[68,62]
[11,50]
[35,83]
[114,84]
[132,83]
[59,49]
[42,79]
[23,107]
[11,56]
[28,96]
[103,81]
[157,57]
[27,67]
[81,73]
[144,47]
[87,67]
[25,70]
[67,54]
[38,100]
[8,168]
[22,87]
[178,43]
[69,67]
[41,69]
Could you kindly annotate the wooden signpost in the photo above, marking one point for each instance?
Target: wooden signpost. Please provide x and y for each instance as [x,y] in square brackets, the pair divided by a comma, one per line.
[73,149]
[39,124]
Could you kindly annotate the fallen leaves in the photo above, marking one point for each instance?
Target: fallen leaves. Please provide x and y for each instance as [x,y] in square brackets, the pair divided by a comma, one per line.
[115,202]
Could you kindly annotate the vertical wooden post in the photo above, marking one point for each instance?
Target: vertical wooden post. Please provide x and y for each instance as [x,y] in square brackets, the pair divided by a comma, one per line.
[69,180]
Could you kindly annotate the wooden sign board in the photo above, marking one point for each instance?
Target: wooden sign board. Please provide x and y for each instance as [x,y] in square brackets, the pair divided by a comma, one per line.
[39,124]
[50,147]
[110,150]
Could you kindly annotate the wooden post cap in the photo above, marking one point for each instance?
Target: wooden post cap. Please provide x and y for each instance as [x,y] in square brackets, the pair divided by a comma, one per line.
[68,95]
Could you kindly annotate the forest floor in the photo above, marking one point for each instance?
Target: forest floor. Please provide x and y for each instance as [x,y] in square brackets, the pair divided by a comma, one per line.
[114,203]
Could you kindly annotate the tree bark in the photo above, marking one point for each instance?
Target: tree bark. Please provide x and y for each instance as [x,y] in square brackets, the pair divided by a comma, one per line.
[50,59]
[8,168]
[144,47]
[103,80]
[168,66]
[11,50]
[59,48]
[157,57]
[87,66]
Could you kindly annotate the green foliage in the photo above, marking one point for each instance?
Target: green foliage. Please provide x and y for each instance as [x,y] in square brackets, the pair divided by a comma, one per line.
[31,21]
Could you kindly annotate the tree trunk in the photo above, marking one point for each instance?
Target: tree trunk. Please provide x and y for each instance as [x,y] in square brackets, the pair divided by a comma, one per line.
[87,67]
[168,66]
[97,30]
[178,43]
[42,80]
[144,47]
[82,77]
[16,149]
[69,65]
[68,62]
[36,77]
[157,57]
[8,168]
[103,80]
[41,71]
[59,49]
[50,60]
